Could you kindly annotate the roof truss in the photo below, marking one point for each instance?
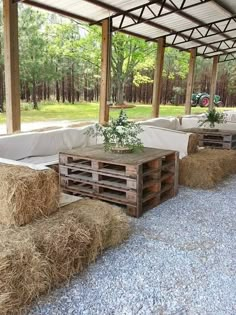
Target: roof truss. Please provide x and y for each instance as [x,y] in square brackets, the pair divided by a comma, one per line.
[204,31]
[164,9]
[215,38]
[228,44]
[227,57]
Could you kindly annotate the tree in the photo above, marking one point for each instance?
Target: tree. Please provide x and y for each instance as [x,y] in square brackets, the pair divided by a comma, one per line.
[127,53]
[34,62]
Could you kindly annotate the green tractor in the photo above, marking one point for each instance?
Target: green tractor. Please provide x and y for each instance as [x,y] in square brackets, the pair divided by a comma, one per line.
[203,99]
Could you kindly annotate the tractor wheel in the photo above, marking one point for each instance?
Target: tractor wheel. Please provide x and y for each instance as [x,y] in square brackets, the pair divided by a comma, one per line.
[204,102]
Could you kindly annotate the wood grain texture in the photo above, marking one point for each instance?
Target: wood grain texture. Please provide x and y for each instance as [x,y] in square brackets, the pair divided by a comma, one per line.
[138,181]
[11,56]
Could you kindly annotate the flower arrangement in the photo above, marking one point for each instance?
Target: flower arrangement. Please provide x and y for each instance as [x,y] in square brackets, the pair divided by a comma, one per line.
[212,117]
[120,135]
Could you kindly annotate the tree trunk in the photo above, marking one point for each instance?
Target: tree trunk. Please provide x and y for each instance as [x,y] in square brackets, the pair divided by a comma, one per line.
[63,90]
[48,91]
[85,88]
[57,91]
[72,85]
[120,93]
[44,91]
[68,90]
[34,97]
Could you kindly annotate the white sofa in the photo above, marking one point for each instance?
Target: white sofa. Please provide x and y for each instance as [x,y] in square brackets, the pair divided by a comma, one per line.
[162,122]
[163,138]
[43,147]
[193,121]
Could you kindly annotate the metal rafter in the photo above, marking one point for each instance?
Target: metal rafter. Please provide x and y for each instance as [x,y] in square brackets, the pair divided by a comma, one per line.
[138,18]
[185,15]
[123,12]
[230,43]
[55,10]
[68,14]
[209,27]
[195,20]
[148,6]
[227,57]
[223,53]
[133,16]
[207,44]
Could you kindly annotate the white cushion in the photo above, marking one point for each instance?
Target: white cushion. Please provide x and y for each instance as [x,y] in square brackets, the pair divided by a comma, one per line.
[162,138]
[20,146]
[170,123]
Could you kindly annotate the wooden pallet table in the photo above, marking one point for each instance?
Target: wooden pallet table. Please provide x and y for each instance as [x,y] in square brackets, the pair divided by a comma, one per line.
[221,139]
[138,181]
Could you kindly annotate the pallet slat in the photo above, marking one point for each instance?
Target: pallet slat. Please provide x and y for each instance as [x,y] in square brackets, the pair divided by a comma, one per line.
[221,139]
[140,185]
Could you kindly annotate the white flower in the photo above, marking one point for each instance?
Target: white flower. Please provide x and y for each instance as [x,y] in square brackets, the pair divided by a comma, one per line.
[120,129]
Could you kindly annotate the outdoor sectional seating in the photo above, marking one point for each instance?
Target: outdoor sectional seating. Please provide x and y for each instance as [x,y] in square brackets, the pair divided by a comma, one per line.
[42,148]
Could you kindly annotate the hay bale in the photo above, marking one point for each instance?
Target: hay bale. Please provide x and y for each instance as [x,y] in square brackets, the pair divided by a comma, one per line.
[38,256]
[107,224]
[26,194]
[24,272]
[206,168]
[63,240]
[77,234]
[193,143]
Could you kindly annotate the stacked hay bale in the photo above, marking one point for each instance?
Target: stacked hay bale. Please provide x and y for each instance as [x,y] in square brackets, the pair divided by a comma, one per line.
[26,194]
[39,255]
[206,168]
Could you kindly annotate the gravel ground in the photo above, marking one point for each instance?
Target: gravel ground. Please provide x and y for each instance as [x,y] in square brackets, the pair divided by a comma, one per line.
[180,259]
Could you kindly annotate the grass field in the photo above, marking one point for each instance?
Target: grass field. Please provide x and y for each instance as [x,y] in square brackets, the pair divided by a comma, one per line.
[89,111]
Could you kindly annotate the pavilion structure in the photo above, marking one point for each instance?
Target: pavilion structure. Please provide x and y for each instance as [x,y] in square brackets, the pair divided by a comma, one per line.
[204,28]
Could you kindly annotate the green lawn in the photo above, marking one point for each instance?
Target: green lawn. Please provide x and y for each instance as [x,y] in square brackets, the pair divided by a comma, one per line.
[89,111]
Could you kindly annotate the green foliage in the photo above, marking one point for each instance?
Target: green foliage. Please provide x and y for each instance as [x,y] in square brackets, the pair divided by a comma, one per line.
[120,133]
[34,62]
[26,107]
[176,63]
[127,53]
[212,117]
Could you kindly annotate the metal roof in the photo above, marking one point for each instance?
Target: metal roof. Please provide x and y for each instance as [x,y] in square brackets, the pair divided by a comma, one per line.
[207,25]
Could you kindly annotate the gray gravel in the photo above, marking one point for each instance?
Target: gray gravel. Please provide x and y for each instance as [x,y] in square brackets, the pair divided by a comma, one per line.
[180,259]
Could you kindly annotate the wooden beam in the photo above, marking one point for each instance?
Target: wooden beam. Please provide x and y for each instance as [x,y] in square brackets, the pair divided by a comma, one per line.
[157,83]
[190,81]
[213,80]
[12,82]
[105,72]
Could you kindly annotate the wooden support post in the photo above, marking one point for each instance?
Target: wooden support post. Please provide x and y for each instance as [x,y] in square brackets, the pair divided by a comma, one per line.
[213,81]
[105,72]
[156,98]
[190,81]
[10,19]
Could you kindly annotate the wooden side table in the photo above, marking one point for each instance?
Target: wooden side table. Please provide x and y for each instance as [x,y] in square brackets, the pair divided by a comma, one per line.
[220,139]
[138,181]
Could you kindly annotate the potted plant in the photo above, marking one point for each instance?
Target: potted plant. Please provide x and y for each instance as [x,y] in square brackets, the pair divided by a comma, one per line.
[120,135]
[212,117]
